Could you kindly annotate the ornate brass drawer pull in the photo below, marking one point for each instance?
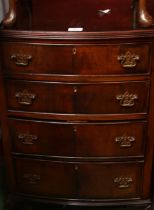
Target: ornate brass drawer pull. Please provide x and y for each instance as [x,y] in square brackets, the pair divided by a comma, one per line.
[127,99]
[27,139]
[25,98]
[128,60]
[125,141]
[21,60]
[32,178]
[123,182]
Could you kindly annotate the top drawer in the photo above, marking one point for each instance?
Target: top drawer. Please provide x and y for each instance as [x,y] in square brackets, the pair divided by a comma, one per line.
[41,59]
[112,59]
[37,59]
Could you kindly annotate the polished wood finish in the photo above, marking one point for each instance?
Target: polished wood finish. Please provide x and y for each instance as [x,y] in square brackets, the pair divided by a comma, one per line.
[77,108]
[60,179]
[61,174]
[76,59]
[144,18]
[10,17]
[78,98]
[78,139]
[44,59]
[36,22]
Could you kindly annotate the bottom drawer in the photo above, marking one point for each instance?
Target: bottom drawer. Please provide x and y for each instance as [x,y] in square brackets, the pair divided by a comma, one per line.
[79,180]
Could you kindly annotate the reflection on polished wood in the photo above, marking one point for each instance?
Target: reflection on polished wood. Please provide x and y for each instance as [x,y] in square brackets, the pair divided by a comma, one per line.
[145,19]
[10,17]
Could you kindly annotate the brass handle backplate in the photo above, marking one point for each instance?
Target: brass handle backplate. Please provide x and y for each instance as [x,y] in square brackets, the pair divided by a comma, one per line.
[123,182]
[125,141]
[21,60]
[32,178]
[25,97]
[27,139]
[128,60]
[127,99]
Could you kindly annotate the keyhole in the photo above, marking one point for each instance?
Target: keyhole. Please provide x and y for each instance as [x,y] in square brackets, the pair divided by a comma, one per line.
[74,51]
[76,167]
[75,89]
[75,129]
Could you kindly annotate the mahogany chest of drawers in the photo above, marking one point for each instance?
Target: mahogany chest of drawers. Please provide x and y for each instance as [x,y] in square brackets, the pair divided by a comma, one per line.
[77,112]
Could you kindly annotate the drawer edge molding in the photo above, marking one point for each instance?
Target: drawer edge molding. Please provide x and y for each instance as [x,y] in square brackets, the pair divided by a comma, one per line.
[146,204]
[78,117]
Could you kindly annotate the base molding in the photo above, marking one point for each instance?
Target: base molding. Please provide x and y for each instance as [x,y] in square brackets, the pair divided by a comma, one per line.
[21,201]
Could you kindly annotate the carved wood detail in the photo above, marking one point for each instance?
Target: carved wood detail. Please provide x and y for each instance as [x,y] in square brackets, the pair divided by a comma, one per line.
[10,17]
[144,17]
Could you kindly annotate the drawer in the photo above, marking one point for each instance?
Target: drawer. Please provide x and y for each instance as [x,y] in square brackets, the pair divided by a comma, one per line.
[83,140]
[40,97]
[103,98]
[45,178]
[39,137]
[113,98]
[78,60]
[120,139]
[110,180]
[79,180]
[36,59]
[112,59]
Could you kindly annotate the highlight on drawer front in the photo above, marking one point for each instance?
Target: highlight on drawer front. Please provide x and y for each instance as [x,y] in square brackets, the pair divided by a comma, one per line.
[47,59]
[95,180]
[62,98]
[78,140]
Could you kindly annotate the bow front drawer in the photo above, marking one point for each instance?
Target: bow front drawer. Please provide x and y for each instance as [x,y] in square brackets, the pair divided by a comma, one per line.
[103,98]
[94,140]
[45,178]
[115,59]
[79,180]
[22,58]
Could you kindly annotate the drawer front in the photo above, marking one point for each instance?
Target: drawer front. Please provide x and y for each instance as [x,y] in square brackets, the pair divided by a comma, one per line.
[79,180]
[119,180]
[37,59]
[112,59]
[78,139]
[40,97]
[38,137]
[113,98]
[45,178]
[111,139]
[106,98]
[81,60]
